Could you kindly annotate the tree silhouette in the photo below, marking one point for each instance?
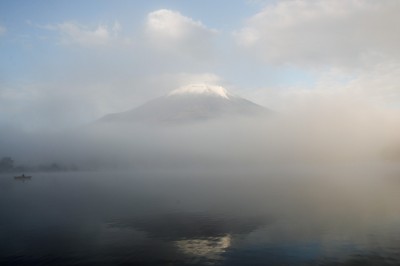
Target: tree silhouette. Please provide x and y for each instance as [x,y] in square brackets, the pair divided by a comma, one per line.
[6,164]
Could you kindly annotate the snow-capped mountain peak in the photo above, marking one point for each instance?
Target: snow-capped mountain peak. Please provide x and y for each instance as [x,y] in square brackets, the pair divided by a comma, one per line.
[192,103]
[202,89]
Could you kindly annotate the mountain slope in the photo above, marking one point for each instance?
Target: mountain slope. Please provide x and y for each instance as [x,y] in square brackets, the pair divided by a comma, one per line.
[189,104]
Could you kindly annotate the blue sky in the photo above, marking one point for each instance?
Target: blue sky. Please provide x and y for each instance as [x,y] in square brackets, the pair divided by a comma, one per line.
[65,63]
[23,48]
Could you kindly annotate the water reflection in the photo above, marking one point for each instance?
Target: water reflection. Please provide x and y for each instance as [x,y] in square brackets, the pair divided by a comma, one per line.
[184,225]
[198,237]
[210,248]
[127,219]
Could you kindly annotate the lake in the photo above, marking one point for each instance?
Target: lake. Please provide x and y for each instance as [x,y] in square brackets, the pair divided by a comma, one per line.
[297,216]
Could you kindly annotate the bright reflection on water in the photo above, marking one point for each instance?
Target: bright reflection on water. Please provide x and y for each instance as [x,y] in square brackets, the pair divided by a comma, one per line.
[296,217]
[209,248]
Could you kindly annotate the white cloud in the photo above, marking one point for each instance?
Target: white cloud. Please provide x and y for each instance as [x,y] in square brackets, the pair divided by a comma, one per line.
[170,81]
[2,30]
[375,87]
[340,33]
[380,83]
[170,31]
[189,78]
[72,33]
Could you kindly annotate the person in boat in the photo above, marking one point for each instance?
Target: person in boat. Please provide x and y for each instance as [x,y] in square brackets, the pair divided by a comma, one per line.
[23,176]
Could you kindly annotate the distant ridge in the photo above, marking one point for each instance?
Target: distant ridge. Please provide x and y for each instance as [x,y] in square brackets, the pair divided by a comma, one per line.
[196,102]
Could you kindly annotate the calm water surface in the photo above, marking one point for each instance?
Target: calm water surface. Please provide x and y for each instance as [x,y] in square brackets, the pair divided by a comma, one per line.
[115,218]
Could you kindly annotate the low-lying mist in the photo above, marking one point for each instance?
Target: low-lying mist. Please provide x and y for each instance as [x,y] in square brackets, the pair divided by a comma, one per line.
[319,176]
[318,135]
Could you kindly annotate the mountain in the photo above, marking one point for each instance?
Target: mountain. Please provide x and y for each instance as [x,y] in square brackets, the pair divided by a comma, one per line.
[191,103]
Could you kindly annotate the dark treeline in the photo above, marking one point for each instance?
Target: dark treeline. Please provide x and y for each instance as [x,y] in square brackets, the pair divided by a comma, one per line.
[7,165]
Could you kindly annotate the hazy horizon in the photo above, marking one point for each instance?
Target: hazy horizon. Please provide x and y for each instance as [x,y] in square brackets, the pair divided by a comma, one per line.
[168,132]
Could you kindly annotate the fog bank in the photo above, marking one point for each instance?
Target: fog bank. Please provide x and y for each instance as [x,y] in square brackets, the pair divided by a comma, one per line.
[320,134]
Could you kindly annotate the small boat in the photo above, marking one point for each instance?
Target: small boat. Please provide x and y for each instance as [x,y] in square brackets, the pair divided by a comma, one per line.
[22,177]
